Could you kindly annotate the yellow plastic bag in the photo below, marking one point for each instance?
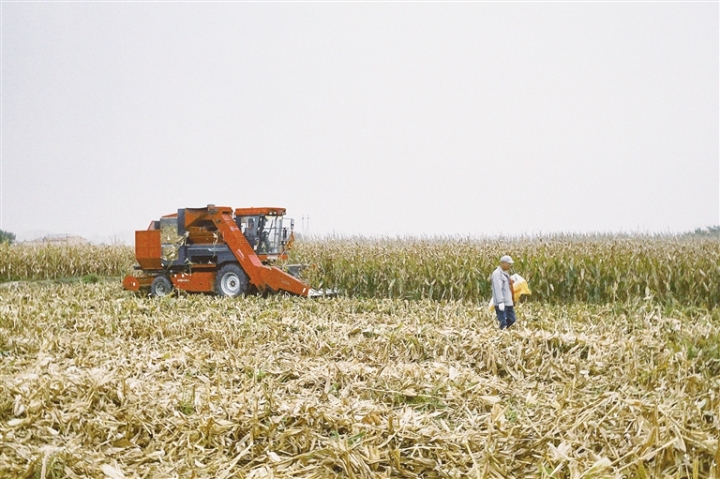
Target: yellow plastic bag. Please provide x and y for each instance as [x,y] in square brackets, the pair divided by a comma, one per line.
[520,287]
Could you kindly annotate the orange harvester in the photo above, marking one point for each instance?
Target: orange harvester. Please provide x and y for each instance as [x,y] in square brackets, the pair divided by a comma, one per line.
[215,249]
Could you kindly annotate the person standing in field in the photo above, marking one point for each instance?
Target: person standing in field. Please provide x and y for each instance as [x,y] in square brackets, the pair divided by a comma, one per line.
[502,293]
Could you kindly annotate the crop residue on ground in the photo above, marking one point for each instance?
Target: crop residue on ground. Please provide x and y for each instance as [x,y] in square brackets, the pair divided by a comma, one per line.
[96,382]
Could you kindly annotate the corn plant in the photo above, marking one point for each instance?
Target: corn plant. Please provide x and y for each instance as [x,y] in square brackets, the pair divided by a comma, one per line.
[668,269]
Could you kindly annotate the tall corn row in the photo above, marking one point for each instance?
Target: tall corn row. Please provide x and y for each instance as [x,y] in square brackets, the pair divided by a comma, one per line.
[21,262]
[684,270]
[670,269]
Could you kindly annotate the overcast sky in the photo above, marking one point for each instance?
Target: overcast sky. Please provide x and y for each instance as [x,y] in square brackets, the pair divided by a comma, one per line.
[370,118]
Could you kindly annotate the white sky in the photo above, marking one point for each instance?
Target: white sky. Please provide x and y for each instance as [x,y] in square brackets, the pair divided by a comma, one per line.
[370,118]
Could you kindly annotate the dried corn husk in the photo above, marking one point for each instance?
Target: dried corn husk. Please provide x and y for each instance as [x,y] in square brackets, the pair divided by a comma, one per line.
[96,382]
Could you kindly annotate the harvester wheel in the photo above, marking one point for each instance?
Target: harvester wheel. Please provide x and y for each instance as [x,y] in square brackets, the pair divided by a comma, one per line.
[231,281]
[161,286]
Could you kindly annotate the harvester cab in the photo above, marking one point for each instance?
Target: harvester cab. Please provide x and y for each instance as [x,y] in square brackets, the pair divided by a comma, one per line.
[269,234]
[215,249]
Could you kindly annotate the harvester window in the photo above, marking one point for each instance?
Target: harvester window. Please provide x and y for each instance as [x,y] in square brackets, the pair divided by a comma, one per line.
[273,235]
[249,227]
[264,233]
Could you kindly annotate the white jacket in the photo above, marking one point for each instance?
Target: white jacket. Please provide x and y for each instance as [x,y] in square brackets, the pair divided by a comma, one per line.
[501,288]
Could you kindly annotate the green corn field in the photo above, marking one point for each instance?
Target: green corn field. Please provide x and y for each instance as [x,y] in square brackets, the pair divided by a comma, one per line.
[684,270]
[594,269]
[41,262]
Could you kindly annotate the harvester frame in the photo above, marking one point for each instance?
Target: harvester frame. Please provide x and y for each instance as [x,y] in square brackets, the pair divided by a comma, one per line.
[215,250]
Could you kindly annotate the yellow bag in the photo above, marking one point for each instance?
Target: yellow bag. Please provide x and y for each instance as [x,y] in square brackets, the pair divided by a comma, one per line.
[520,287]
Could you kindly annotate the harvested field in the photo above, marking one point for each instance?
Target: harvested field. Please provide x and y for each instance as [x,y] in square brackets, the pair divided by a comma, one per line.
[96,382]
